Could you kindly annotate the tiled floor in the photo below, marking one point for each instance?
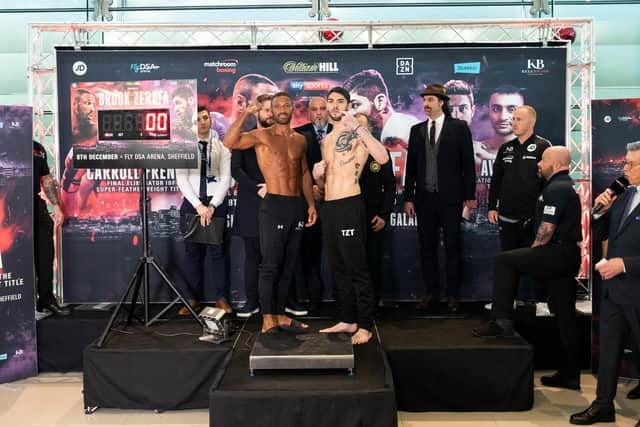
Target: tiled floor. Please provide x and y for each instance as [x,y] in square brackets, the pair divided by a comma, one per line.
[56,400]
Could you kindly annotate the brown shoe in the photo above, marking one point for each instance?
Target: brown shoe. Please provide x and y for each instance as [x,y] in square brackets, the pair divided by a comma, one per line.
[427,303]
[193,303]
[224,305]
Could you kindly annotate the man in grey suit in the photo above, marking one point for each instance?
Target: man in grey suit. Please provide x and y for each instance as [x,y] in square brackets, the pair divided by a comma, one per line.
[620,271]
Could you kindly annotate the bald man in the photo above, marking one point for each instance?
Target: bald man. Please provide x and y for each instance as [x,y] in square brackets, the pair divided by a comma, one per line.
[553,260]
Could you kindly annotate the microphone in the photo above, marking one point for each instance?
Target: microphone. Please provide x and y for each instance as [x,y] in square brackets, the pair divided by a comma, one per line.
[614,189]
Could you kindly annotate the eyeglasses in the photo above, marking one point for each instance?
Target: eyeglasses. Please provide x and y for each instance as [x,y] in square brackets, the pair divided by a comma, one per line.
[630,164]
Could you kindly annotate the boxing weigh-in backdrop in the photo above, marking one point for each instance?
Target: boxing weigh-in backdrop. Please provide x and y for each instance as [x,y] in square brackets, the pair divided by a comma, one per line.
[18,357]
[615,123]
[101,244]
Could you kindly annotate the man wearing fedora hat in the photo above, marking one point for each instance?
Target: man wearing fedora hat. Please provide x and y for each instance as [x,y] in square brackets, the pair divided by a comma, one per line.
[440,180]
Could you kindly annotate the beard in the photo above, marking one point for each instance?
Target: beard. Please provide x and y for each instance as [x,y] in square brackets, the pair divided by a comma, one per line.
[265,123]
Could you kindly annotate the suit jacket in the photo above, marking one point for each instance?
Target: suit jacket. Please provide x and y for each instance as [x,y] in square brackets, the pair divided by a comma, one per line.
[245,170]
[456,167]
[314,155]
[624,242]
[378,186]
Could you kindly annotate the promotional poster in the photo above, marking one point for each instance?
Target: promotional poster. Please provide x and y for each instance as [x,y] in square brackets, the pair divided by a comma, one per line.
[18,358]
[485,83]
[615,123]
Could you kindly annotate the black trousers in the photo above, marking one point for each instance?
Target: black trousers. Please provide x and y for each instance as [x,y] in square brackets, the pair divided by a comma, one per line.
[281,222]
[344,230]
[43,253]
[433,215]
[515,235]
[205,261]
[616,321]
[311,257]
[375,246]
[521,235]
[555,266]
[252,259]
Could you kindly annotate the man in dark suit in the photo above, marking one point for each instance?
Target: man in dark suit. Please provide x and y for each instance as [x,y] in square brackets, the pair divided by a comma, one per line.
[440,180]
[311,250]
[378,186]
[251,189]
[620,271]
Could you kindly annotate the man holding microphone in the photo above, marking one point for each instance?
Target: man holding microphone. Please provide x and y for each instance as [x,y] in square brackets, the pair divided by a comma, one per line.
[620,271]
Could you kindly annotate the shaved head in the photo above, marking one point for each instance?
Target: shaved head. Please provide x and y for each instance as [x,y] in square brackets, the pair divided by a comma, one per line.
[554,160]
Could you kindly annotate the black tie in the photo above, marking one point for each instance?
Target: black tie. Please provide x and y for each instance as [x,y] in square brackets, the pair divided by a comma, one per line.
[320,134]
[628,207]
[432,133]
[203,169]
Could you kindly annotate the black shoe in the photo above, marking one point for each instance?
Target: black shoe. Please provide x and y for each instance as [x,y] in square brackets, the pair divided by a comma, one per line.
[296,309]
[453,306]
[559,381]
[54,308]
[592,415]
[315,306]
[247,310]
[493,330]
[634,393]
[429,302]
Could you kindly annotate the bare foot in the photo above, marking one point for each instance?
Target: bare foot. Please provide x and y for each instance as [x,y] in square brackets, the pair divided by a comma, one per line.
[288,323]
[341,327]
[269,321]
[361,337]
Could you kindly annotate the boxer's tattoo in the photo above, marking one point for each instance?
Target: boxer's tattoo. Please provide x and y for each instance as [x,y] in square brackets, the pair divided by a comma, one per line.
[345,141]
[345,162]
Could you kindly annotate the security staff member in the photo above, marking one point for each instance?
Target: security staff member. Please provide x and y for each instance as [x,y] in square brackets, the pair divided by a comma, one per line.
[553,259]
[43,230]
[378,186]
[515,183]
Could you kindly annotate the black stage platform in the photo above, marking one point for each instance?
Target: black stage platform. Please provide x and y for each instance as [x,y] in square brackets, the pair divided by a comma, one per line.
[314,398]
[438,365]
[161,367]
[62,339]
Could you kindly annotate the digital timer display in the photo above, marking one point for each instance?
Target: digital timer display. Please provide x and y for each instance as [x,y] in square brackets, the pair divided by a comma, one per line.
[127,125]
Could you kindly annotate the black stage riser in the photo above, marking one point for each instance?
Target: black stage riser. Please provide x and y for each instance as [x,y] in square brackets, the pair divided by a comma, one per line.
[145,370]
[438,365]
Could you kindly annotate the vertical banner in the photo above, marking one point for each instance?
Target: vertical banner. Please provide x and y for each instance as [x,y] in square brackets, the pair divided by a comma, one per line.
[615,123]
[18,357]
[486,84]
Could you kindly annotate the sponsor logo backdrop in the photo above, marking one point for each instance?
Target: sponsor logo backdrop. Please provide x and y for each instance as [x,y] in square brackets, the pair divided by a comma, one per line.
[99,258]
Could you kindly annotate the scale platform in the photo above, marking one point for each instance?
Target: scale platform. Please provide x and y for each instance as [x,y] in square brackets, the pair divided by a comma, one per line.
[286,350]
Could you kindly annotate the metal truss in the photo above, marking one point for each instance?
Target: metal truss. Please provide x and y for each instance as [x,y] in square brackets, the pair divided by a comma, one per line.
[580,62]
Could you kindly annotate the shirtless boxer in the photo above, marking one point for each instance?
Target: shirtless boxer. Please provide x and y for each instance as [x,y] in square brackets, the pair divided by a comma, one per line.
[281,155]
[344,152]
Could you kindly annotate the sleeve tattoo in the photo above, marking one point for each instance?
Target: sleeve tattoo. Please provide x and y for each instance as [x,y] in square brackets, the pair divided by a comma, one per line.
[544,234]
[51,190]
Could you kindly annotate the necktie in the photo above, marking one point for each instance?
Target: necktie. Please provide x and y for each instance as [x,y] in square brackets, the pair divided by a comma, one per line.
[320,134]
[203,169]
[432,133]
[629,206]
